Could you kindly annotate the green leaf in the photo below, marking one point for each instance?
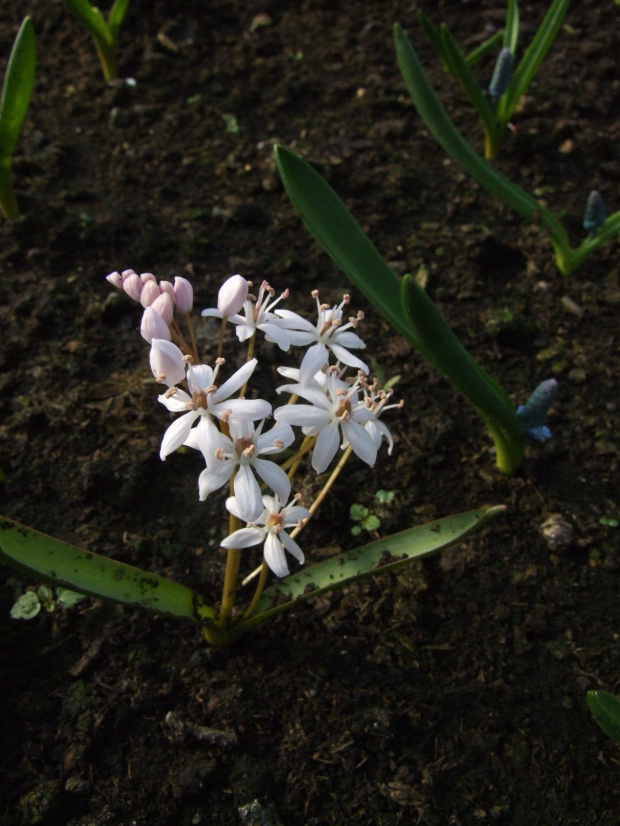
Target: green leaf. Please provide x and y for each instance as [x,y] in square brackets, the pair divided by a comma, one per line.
[62,564]
[91,17]
[534,55]
[371,522]
[606,709]
[26,607]
[358,512]
[511,32]
[390,554]
[450,139]
[116,17]
[17,89]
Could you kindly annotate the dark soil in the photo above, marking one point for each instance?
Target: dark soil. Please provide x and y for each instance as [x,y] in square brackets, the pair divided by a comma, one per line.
[453,693]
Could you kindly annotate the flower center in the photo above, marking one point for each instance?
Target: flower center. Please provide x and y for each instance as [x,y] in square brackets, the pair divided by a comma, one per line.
[274,522]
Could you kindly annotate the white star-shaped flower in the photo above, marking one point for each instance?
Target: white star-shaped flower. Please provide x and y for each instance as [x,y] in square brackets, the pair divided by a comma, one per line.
[257,315]
[270,529]
[331,412]
[329,334]
[243,452]
[207,401]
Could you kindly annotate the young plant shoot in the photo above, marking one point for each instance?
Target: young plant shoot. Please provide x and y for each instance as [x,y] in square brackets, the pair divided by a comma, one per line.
[496,104]
[253,454]
[16,93]
[404,304]
[568,259]
[105,33]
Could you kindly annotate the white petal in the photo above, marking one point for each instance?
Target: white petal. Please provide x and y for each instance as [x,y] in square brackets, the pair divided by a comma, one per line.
[244,538]
[348,358]
[295,322]
[292,547]
[274,555]
[176,403]
[236,381]
[302,414]
[325,447]
[361,441]
[177,433]
[282,431]
[247,494]
[213,478]
[246,410]
[348,339]
[200,377]
[293,514]
[275,477]
[316,357]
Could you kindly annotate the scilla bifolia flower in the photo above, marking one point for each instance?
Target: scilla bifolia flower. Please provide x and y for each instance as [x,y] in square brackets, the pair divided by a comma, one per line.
[534,413]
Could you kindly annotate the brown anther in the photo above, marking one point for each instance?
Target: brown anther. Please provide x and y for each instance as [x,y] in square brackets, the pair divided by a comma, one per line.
[360,315]
[160,377]
[219,361]
[170,392]
[314,293]
[211,389]
[285,294]
[250,451]
[188,359]
[278,443]
[219,453]
[344,410]
[346,298]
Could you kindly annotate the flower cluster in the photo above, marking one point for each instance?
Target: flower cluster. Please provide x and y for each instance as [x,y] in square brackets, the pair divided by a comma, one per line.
[160,300]
[234,434]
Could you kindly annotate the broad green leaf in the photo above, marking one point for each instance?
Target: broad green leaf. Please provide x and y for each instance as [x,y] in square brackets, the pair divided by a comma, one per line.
[606,709]
[390,554]
[337,231]
[62,564]
[17,89]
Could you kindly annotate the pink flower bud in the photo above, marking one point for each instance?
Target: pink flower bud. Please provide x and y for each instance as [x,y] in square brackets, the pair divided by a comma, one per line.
[147,276]
[166,362]
[150,291]
[232,295]
[153,326]
[132,286]
[166,287]
[115,279]
[126,273]
[164,306]
[183,294]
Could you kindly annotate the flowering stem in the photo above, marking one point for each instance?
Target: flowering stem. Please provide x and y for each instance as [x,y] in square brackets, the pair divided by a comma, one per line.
[220,343]
[326,488]
[264,568]
[231,575]
[192,335]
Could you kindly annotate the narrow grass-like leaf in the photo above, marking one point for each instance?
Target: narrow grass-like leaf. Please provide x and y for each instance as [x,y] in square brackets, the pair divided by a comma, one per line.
[534,55]
[16,94]
[449,138]
[116,17]
[91,18]
[459,67]
[606,709]
[390,554]
[59,563]
[488,47]
[511,32]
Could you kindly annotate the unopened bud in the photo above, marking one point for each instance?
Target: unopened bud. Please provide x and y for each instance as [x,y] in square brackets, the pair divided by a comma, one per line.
[133,286]
[595,215]
[166,362]
[147,276]
[150,291]
[232,295]
[166,287]
[184,294]
[534,413]
[153,326]
[116,279]
[501,74]
[165,307]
